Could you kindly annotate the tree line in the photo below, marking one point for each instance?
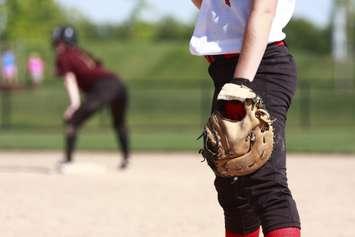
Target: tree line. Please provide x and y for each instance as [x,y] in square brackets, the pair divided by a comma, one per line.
[35,19]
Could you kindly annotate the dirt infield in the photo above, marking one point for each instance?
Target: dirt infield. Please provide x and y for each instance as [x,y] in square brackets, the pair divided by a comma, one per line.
[167,195]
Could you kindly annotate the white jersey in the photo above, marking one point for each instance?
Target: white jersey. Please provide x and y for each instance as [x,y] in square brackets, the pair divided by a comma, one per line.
[221,25]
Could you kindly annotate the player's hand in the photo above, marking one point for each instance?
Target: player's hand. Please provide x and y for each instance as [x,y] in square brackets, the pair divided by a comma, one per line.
[69,112]
[237,89]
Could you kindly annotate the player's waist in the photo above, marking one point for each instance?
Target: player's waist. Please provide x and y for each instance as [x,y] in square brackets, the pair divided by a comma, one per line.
[213,58]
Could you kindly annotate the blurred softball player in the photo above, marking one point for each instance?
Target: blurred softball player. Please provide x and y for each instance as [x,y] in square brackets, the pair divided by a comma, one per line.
[81,71]
[243,41]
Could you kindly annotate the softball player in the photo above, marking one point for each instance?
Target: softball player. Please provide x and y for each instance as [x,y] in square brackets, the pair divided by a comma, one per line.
[83,72]
[243,41]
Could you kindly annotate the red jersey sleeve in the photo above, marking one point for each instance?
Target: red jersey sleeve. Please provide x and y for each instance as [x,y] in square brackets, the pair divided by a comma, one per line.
[63,65]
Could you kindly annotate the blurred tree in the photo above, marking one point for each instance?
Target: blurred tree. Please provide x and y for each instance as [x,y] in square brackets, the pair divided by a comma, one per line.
[122,31]
[87,29]
[3,19]
[34,19]
[109,31]
[142,30]
[138,28]
[301,34]
[138,9]
[305,36]
[31,18]
[169,29]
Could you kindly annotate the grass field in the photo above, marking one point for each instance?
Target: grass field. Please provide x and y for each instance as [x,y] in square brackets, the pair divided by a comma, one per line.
[171,119]
[169,102]
[166,62]
[321,140]
[160,195]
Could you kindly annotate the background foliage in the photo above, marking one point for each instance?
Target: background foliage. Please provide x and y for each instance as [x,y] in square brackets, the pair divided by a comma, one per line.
[33,19]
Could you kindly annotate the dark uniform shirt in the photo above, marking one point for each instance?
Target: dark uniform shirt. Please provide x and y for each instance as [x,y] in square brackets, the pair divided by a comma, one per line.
[86,69]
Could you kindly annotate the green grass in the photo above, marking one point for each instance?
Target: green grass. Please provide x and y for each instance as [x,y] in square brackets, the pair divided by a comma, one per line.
[166,62]
[162,62]
[160,140]
[321,140]
[170,93]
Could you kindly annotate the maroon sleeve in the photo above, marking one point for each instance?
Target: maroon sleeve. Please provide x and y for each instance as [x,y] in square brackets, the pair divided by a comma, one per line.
[63,65]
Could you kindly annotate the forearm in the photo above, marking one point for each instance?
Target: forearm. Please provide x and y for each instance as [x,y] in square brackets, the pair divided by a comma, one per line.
[255,40]
[197,3]
[72,89]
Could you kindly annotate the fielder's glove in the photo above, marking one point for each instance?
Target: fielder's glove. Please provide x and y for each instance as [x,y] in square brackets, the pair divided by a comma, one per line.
[237,148]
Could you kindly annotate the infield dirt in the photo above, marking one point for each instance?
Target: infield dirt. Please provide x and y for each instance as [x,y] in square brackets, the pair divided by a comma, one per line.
[167,195]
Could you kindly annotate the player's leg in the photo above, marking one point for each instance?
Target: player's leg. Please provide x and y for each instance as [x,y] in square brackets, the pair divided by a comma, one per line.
[251,234]
[74,124]
[70,142]
[220,74]
[240,217]
[118,111]
[93,102]
[267,189]
[270,194]
[275,82]
[284,232]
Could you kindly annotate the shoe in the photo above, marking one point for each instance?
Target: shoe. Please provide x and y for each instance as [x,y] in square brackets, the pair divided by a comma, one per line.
[124,164]
[60,164]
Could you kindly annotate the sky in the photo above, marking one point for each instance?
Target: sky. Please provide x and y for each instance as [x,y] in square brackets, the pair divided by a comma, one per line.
[101,11]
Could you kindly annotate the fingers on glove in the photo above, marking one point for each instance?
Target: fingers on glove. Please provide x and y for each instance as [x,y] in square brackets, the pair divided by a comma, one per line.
[264,116]
[263,142]
[259,141]
[250,121]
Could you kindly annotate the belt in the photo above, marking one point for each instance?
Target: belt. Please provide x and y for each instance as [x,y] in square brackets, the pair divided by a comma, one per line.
[213,58]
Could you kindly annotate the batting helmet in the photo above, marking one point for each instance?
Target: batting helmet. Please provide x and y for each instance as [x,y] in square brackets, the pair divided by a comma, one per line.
[66,34]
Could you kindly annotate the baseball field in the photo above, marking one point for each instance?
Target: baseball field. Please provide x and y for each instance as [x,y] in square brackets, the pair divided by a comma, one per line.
[161,194]
[166,191]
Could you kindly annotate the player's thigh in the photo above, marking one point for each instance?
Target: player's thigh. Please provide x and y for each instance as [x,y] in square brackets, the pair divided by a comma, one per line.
[93,101]
[85,111]
[221,73]
[275,80]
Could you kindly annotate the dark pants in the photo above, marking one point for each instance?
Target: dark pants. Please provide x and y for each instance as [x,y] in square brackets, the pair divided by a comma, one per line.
[262,198]
[108,91]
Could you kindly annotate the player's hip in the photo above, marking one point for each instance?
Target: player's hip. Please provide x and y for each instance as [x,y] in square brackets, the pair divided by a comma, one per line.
[107,87]
[275,80]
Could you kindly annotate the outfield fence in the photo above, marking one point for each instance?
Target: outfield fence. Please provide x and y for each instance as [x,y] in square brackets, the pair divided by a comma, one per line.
[161,106]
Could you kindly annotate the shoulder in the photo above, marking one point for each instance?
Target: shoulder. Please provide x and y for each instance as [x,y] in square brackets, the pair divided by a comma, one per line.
[67,55]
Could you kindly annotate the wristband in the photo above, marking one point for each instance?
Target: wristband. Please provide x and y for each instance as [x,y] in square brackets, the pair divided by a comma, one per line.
[240,81]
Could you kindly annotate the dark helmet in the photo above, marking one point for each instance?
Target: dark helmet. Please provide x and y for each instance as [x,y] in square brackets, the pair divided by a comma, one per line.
[66,34]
